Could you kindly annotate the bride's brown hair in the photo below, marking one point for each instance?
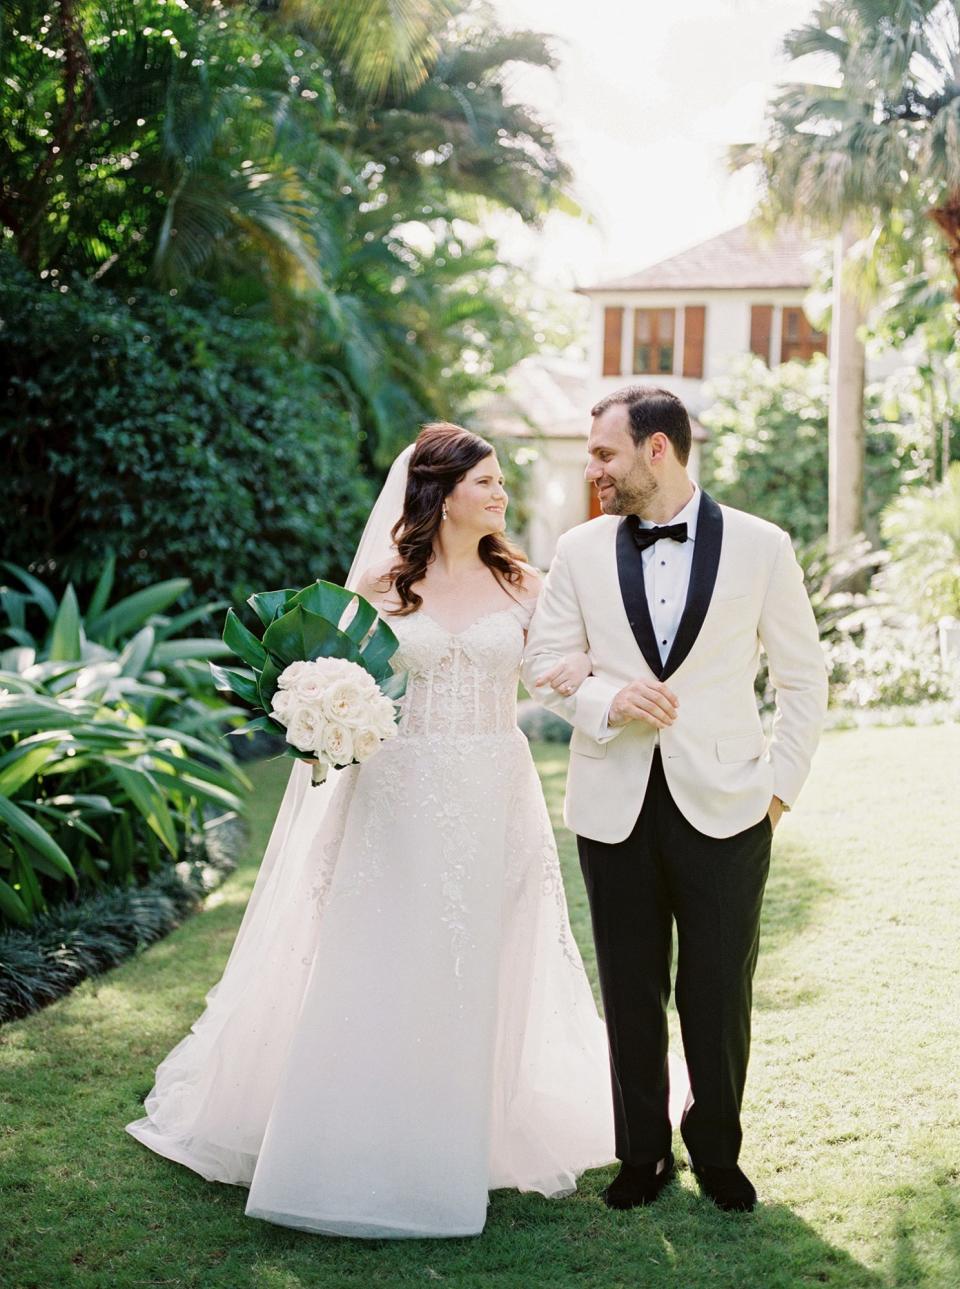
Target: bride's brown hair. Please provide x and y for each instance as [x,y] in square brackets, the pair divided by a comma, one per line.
[442,455]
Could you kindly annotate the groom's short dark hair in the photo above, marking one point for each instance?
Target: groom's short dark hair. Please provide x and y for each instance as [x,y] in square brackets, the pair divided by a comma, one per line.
[651,409]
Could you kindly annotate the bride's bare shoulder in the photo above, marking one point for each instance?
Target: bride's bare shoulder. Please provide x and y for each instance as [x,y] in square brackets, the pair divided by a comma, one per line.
[376,583]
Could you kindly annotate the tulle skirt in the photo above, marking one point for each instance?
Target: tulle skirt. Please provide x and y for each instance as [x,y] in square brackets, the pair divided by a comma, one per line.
[404,1022]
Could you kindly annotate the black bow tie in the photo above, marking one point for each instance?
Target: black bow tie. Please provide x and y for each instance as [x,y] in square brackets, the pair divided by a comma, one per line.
[645,537]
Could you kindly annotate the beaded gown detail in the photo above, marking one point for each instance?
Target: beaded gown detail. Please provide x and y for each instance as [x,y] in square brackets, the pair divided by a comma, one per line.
[404,1023]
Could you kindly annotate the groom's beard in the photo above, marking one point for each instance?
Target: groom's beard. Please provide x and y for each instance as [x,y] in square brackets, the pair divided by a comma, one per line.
[632,495]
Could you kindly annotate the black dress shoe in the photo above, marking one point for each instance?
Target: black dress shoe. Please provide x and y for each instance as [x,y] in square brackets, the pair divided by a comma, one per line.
[729,1188]
[639,1184]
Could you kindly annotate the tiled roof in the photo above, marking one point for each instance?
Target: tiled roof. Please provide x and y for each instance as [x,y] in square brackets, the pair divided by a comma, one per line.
[736,260]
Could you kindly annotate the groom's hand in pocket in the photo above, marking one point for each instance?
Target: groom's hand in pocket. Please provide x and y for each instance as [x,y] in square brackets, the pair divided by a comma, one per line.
[644,700]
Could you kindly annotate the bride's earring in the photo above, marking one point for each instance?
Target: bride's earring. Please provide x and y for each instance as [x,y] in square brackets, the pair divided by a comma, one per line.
[443,511]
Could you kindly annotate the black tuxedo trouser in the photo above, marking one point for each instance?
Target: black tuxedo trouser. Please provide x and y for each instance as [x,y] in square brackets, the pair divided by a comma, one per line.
[667,871]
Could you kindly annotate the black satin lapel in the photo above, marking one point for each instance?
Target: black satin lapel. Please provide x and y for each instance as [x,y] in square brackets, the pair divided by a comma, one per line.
[633,590]
[703,578]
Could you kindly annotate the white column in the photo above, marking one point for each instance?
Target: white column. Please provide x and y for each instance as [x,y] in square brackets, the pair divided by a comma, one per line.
[626,342]
[776,336]
[845,420]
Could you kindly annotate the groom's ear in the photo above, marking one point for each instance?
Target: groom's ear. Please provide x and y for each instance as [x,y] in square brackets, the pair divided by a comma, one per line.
[657,445]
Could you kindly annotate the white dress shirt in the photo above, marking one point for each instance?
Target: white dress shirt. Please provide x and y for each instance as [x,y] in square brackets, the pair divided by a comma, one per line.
[666,574]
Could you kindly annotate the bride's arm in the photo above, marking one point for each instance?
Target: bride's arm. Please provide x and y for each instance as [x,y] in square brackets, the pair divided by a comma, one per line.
[570,672]
[556,632]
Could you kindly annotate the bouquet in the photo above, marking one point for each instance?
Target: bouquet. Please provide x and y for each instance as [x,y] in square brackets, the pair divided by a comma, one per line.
[319,676]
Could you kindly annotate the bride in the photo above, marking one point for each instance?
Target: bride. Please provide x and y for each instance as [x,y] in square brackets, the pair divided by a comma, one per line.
[404,1022]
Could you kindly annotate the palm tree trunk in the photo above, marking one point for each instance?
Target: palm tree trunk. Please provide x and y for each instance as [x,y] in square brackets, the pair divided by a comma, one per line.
[845,419]
[76,110]
[947,218]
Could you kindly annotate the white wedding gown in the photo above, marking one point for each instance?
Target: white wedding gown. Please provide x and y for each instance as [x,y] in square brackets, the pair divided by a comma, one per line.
[404,1022]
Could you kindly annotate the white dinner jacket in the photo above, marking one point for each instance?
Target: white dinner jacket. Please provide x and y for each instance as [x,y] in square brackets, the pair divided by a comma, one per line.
[746,590]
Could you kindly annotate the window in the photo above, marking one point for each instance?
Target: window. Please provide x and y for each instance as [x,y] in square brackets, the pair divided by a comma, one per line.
[799,339]
[612,341]
[653,331]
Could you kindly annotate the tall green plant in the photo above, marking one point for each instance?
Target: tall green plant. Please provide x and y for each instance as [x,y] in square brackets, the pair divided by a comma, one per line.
[922,531]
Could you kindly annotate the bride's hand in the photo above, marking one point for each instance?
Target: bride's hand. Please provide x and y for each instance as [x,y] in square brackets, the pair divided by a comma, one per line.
[568,675]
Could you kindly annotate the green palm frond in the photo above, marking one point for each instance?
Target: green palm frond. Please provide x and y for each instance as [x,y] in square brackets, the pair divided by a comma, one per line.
[384,44]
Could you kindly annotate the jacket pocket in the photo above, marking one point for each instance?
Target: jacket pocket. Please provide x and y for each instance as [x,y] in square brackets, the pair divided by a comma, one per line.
[585,745]
[743,747]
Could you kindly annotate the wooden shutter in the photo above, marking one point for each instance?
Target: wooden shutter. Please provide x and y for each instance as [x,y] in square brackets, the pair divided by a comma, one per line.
[612,340]
[694,319]
[761,327]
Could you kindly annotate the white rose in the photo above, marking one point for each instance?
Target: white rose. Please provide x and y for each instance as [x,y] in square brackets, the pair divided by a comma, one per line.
[338,744]
[365,743]
[347,702]
[284,705]
[304,730]
[292,673]
[339,669]
[309,688]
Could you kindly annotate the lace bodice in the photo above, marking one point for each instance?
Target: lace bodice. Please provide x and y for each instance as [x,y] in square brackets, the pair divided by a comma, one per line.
[461,683]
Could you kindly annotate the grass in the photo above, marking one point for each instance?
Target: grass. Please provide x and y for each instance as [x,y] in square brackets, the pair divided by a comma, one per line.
[852,1121]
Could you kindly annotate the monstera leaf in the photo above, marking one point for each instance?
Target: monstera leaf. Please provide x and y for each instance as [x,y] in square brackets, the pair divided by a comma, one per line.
[322,620]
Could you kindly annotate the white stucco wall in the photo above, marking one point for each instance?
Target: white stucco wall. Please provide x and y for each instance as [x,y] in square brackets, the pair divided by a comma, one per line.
[726,337]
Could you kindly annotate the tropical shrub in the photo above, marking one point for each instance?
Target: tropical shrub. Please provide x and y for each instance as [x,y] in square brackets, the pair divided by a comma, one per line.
[768,448]
[889,665]
[111,750]
[185,440]
[922,531]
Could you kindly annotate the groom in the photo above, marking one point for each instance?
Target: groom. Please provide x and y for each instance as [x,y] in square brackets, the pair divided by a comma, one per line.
[673,790]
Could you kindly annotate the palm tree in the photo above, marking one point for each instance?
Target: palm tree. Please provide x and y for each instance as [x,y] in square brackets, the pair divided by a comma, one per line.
[274,153]
[846,154]
[888,123]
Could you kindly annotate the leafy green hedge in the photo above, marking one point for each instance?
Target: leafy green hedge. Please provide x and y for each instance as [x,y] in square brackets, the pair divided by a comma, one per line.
[768,450]
[39,964]
[185,438]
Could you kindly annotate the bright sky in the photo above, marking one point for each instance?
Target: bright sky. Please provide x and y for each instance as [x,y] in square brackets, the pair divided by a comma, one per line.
[647,97]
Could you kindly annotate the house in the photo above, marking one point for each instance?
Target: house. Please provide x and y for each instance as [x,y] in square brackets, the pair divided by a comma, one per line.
[678,324]
[681,322]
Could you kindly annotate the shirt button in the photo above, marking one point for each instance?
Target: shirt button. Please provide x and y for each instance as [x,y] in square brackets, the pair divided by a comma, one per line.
[663,642]
[663,601]
[662,563]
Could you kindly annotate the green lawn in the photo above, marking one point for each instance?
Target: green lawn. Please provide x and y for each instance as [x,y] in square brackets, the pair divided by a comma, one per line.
[852,1119]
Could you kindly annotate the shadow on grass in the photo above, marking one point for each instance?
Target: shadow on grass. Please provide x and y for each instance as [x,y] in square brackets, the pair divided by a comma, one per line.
[571,1243]
[795,890]
[926,1234]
